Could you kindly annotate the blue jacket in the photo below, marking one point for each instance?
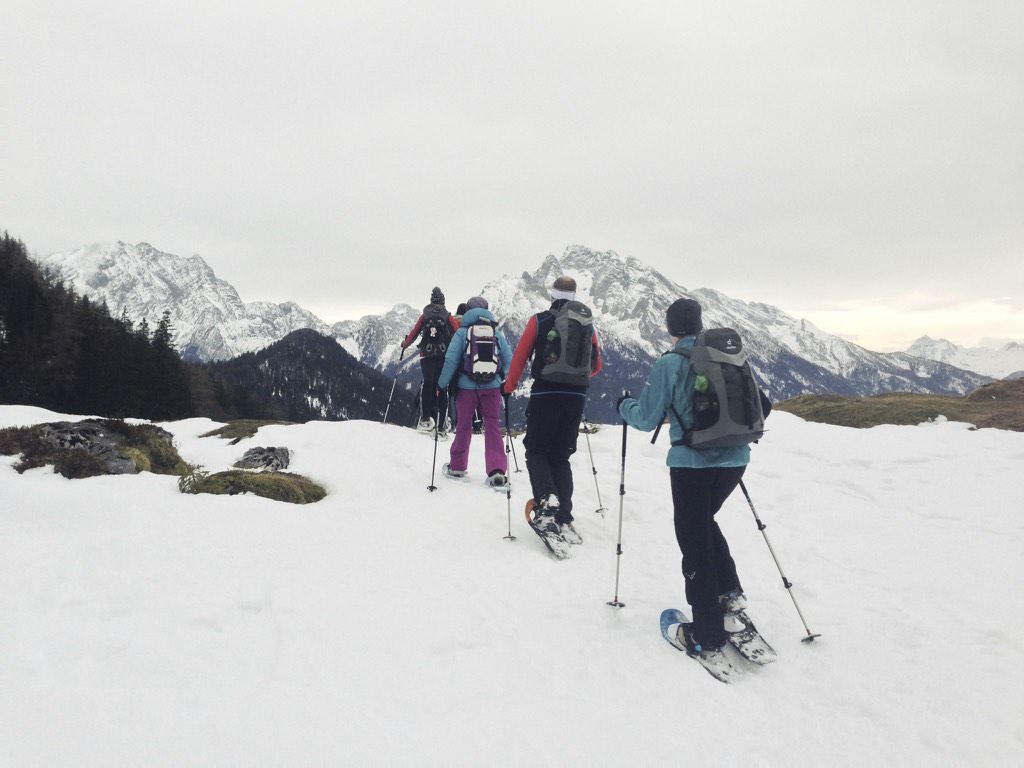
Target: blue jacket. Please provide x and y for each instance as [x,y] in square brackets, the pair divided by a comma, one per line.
[666,381]
[457,350]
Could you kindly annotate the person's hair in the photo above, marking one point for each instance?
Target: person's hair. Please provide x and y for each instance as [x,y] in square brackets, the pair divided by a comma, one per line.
[564,283]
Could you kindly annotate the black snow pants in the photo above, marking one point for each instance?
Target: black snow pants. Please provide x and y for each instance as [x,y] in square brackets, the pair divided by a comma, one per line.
[552,429]
[433,404]
[708,568]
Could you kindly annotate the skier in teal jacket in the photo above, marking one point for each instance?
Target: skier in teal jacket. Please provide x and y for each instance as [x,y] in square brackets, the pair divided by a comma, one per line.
[484,397]
[649,410]
[701,482]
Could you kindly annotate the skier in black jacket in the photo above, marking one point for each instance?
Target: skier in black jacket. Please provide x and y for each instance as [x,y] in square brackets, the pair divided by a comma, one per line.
[554,411]
[436,326]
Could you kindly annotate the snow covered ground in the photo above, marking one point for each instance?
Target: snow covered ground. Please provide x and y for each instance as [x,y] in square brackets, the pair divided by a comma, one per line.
[389,625]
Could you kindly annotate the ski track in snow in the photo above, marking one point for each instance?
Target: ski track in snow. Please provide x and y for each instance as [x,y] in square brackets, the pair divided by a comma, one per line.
[388,624]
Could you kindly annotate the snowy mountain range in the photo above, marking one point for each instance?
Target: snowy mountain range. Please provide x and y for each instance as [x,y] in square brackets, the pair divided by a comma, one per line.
[1002,360]
[629,300]
[791,355]
[210,319]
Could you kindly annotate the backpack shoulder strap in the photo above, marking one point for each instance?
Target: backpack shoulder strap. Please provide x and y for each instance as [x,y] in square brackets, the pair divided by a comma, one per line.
[684,353]
[538,320]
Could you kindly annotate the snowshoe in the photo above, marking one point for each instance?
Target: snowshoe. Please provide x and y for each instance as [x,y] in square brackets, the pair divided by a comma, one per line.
[546,528]
[570,534]
[747,640]
[454,474]
[498,482]
[675,628]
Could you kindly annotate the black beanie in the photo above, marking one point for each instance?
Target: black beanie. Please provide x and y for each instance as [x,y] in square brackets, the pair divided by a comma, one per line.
[436,297]
[683,317]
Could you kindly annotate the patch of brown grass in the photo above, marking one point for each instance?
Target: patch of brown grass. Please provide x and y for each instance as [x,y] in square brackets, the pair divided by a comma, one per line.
[279,486]
[149,446]
[238,430]
[998,405]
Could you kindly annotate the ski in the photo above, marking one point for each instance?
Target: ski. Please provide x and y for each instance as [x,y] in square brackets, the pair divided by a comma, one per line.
[716,662]
[557,546]
[744,637]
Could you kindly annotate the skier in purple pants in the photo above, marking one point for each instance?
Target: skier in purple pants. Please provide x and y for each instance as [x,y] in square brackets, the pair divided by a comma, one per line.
[480,355]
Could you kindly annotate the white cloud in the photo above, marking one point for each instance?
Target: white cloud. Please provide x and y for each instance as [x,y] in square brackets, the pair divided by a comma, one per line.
[800,151]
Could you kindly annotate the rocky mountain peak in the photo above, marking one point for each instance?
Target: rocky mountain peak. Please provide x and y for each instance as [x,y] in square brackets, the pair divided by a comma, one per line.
[1001,360]
[628,297]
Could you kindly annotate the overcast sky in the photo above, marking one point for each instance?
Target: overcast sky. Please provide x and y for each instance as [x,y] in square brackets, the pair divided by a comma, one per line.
[860,164]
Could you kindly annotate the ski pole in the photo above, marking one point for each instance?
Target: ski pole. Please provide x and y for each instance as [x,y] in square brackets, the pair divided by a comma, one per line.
[510,445]
[393,383]
[601,508]
[786,582]
[622,492]
[508,497]
[433,464]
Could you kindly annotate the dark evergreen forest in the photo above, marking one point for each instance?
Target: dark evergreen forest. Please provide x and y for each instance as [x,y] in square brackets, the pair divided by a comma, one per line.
[62,352]
[305,376]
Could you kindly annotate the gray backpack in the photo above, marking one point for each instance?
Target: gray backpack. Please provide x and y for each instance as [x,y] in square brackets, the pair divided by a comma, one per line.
[727,403]
[567,349]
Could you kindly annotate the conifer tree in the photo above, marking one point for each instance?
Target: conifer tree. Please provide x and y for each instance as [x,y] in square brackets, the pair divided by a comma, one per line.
[66,353]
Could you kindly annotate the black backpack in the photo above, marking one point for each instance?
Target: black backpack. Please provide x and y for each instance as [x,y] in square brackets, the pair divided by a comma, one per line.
[728,406]
[566,351]
[436,333]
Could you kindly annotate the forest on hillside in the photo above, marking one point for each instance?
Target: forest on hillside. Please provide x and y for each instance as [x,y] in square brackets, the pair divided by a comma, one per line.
[61,351]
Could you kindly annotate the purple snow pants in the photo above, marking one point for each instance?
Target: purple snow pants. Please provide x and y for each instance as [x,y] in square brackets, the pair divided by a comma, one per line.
[488,402]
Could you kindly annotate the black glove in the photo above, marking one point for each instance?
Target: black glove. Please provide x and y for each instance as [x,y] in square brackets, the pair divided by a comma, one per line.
[620,401]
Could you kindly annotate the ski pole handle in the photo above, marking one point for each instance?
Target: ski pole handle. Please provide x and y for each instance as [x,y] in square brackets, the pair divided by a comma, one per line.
[625,393]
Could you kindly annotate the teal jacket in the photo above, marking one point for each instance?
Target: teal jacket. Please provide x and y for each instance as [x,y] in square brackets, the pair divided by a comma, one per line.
[457,349]
[667,380]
